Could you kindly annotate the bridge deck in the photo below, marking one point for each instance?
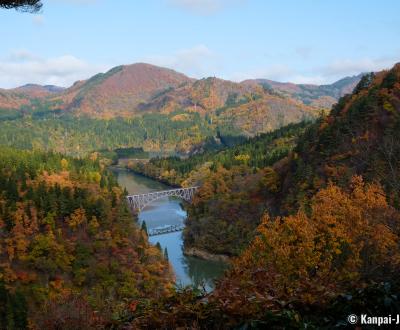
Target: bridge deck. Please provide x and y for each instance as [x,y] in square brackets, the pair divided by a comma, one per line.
[165,230]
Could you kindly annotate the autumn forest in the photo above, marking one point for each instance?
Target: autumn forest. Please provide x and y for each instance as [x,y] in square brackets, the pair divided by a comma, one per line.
[297,194]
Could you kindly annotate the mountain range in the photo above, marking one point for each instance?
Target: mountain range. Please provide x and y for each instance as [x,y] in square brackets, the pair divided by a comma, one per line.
[133,89]
[158,109]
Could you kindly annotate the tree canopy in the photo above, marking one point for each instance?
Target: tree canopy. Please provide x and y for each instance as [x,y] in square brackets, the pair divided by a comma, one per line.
[32,6]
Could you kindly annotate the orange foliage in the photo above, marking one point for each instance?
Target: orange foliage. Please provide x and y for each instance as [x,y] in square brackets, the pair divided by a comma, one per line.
[347,240]
[62,179]
[77,218]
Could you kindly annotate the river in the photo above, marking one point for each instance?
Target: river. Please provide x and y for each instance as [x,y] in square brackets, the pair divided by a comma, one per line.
[168,211]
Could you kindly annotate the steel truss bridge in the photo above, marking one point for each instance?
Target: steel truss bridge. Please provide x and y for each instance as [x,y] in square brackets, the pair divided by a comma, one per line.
[139,202]
[165,230]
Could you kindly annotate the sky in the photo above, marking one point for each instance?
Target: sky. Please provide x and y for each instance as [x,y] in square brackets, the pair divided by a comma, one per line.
[301,41]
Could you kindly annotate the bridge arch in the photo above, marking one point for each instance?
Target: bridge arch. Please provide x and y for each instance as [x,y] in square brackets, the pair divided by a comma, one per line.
[139,202]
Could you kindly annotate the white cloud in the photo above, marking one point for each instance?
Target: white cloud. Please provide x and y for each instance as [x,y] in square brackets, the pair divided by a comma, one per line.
[38,20]
[352,67]
[22,67]
[205,7]
[198,61]
[327,74]
[308,79]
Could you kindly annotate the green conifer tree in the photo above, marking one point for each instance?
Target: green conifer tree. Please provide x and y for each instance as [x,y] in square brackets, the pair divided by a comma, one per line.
[144,227]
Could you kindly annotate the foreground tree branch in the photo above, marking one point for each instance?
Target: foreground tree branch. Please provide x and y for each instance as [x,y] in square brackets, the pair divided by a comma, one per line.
[32,6]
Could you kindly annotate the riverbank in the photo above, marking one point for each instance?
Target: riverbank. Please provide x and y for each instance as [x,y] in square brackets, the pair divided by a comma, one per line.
[190,252]
[198,253]
[143,174]
[169,212]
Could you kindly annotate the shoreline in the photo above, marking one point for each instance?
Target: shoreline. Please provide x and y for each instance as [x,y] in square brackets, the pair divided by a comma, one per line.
[146,176]
[201,254]
[192,252]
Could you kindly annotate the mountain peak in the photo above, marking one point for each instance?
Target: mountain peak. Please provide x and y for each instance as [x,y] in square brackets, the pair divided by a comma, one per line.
[121,89]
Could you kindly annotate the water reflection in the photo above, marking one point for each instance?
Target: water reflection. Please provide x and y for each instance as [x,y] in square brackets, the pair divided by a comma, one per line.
[168,211]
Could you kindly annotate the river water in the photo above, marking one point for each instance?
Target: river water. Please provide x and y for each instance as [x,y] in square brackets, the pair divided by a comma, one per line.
[168,211]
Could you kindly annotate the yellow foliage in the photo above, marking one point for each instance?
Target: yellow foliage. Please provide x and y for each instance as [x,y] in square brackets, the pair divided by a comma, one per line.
[243,158]
[94,156]
[93,224]
[77,218]
[181,117]
[348,237]
[64,164]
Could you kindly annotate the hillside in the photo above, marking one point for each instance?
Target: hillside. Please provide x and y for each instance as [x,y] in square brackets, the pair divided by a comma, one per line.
[233,185]
[158,109]
[127,90]
[323,96]
[358,137]
[119,91]
[243,109]
[327,244]
[142,88]
[71,255]
[24,96]
[37,91]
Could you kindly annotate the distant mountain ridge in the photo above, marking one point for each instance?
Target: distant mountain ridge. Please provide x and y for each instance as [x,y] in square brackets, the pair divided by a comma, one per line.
[315,95]
[246,108]
[35,88]
[127,89]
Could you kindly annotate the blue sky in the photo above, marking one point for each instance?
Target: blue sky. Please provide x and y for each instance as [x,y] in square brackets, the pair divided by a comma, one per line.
[303,41]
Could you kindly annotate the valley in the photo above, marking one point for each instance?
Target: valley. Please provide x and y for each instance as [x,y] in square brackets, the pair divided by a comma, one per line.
[168,211]
[289,194]
[158,109]
[199,164]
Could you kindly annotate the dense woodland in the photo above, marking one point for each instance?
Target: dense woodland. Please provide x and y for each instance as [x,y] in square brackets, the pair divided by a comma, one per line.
[309,214]
[232,187]
[357,138]
[259,152]
[71,255]
[79,136]
[301,198]
[304,271]
[185,117]
[330,245]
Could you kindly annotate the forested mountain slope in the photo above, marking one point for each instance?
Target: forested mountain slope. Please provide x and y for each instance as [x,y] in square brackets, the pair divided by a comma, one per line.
[119,91]
[68,245]
[233,184]
[257,152]
[127,90]
[358,137]
[330,249]
[142,105]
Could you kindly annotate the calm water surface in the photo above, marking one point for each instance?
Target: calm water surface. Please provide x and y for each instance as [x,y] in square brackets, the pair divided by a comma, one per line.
[168,211]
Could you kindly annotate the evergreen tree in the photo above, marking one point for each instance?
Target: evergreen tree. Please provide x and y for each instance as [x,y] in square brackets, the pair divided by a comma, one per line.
[20,311]
[144,226]
[166,254]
